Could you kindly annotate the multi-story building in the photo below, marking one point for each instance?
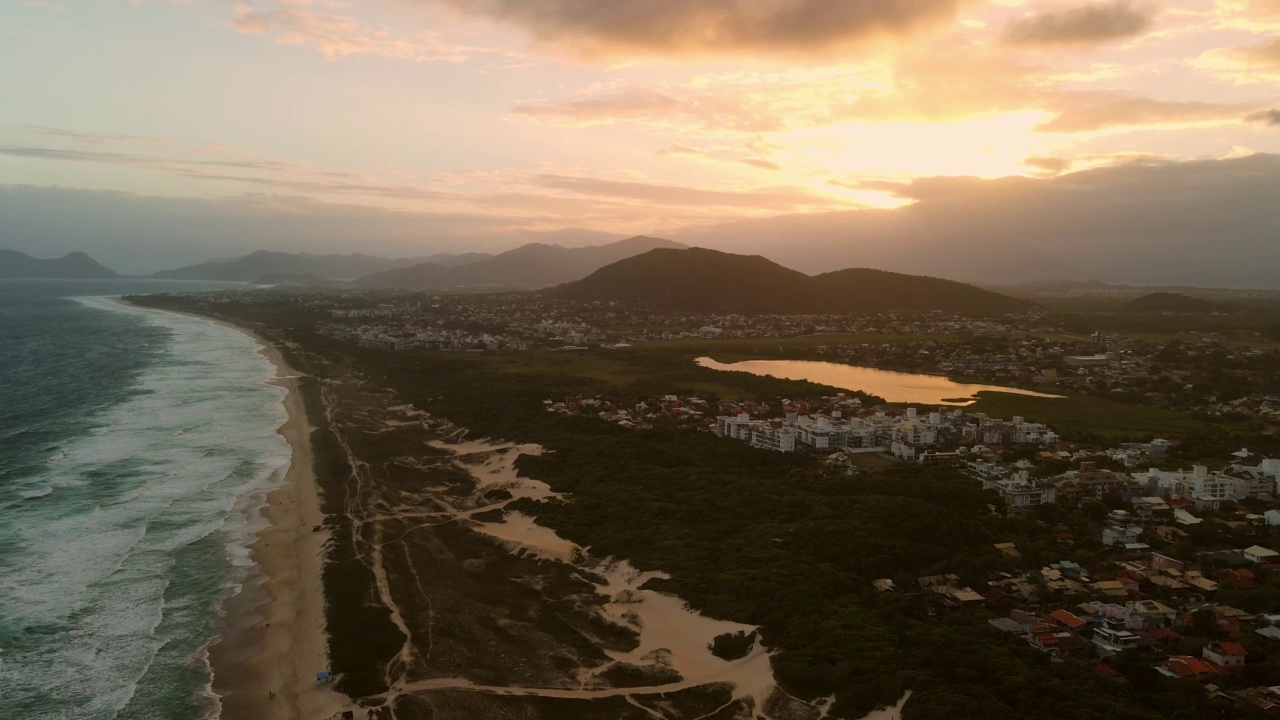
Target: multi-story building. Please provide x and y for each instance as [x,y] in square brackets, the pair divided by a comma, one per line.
[736,427]
[1089,482]
[778,439]
[821,433]
[1020,493]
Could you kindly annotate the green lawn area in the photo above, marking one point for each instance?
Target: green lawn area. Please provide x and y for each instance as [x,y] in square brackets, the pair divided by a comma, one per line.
[644,372]
[669,368]
[872,462]
[754,347]
[1084,416]
[595,365]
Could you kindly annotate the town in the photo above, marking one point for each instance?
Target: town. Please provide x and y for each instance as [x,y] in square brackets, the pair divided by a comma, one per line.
[1034,350]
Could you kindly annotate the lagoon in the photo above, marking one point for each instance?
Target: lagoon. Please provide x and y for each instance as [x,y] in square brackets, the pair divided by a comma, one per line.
[898,387]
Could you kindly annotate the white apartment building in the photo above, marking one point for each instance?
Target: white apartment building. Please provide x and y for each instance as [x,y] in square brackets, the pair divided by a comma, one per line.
[781,439]
[1020,493]
[737,427]
[1235,481]
[821,433]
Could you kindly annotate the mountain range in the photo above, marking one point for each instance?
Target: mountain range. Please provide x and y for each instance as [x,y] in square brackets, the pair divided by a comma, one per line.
[700,280]
[16,265]
[532,266]
[1176,304]
[264,262]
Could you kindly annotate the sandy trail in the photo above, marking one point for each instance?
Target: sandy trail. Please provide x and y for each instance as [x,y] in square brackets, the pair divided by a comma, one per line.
[373,555]
[291,631]
[671,634]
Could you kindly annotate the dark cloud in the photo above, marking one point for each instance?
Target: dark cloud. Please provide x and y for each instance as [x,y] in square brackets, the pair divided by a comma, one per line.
[761,163]
[1266,117]
[1090,24]
[603,28]
[1211,222]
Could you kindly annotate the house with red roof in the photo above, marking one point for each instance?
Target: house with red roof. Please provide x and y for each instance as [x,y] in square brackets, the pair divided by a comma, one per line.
[1188,667]
[1068,620]
[1226,654]
[1241,579]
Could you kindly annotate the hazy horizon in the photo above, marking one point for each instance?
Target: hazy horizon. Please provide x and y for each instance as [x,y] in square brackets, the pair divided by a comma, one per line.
[982,140]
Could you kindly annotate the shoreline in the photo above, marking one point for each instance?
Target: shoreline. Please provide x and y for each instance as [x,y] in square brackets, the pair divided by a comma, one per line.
[273,637]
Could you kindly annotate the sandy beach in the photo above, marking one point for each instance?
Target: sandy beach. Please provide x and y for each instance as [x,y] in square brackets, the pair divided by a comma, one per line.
[275,642]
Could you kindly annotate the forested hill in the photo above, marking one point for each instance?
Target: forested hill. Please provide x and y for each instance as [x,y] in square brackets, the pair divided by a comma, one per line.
[16,265]
[700,280]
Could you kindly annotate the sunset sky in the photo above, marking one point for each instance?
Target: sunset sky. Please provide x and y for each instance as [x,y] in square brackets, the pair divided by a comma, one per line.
[461,124]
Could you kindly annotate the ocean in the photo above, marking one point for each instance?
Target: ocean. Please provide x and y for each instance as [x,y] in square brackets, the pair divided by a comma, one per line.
[136,448]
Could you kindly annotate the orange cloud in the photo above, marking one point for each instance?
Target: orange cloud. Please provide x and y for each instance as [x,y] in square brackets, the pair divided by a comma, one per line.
[1244,65]
[296,22]
[940,86]
[552,200]
[1093,111]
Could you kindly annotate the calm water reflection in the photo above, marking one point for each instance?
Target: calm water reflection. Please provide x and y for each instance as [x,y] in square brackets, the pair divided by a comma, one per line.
[892,386]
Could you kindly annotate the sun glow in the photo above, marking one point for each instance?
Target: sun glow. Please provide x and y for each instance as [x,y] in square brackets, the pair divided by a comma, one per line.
[981,147]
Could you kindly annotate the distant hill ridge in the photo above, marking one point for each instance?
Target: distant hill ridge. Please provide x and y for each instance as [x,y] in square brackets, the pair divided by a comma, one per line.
[532,266]
[303,280]
[16,265]
[1175,303]
[268,263]
[700,280]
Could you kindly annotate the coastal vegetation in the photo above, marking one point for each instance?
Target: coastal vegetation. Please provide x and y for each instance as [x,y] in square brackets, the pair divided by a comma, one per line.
[731,646]
[361,629]
[772,540]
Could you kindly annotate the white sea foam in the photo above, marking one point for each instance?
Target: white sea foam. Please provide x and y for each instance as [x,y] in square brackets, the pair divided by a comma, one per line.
[142,527]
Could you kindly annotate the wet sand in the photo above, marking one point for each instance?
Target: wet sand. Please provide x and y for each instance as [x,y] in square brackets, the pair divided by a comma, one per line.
[275,641]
